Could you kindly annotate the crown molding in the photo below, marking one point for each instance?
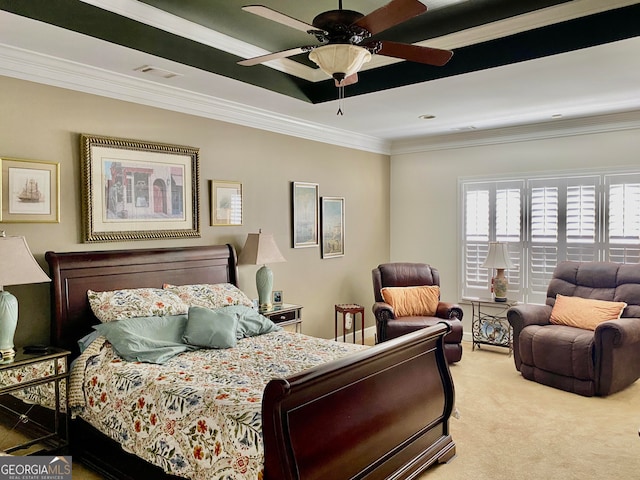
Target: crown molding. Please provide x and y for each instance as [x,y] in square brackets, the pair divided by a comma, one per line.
[30,66]
[34,67]
[629,120]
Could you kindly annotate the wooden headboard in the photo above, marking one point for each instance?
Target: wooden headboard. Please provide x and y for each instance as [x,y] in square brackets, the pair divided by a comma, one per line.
[74,273]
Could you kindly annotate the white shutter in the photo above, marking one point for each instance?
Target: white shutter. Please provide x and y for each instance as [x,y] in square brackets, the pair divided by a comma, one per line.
[543,246]
[492,211]
[476,238]
[623,215]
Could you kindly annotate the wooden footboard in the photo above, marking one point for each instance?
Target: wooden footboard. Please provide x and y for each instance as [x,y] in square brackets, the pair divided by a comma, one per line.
[381,413]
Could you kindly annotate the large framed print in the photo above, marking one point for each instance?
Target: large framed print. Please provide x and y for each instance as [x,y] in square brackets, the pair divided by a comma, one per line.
[137,190]
[226,202]
[332,227]
[30,191]
[305,214]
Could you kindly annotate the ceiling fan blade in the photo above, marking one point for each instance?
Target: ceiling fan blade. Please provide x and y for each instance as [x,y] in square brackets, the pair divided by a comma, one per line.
[391,14]
[350,80]
[270,14]
[274,56]
[416,53]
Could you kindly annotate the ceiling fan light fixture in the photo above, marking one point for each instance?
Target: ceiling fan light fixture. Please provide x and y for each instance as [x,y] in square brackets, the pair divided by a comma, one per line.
[340,60]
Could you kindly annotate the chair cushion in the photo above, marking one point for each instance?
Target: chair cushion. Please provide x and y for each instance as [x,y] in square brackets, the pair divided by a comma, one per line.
[584,312]
[409,301]
[563,350]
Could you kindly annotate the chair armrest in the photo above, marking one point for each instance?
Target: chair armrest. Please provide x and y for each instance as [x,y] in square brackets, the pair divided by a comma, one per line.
[617,346]
[519,317]
[383,312]
[449,311]
[522,315]
[381,308]
[623,331]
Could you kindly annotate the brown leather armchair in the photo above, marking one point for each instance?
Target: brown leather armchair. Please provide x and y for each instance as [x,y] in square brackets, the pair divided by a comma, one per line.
[389,326]
[586,362]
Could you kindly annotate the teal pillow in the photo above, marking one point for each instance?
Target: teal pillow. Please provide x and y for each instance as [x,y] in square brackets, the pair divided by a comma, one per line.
[251,323]
[146,339]
[211,328]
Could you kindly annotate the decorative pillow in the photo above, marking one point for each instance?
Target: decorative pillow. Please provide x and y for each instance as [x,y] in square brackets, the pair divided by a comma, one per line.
[146,339]
[250,322]
[210,295]
[584,313]
[138,302]
[211,328]
[412,301]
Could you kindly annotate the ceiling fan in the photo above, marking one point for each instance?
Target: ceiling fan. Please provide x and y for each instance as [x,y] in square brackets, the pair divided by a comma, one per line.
[344,37]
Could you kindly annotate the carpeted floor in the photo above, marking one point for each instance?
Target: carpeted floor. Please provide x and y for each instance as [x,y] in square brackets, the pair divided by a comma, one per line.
[513,429]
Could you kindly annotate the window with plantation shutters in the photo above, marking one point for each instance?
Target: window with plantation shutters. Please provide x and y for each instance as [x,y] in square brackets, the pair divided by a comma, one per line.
[545,220]
[492,210]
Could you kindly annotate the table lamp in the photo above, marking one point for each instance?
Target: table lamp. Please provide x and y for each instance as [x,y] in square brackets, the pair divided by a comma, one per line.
[17,267]
[498,258]
[260,249]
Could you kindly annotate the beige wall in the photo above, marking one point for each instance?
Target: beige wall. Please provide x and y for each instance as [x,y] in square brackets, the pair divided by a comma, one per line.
[44,123]
[424,198]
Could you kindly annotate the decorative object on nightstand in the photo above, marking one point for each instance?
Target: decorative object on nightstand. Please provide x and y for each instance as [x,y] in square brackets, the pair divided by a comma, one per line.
[260,249]
[498,258]
[17,267]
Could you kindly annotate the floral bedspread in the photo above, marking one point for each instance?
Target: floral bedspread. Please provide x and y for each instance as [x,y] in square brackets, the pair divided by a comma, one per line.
[198,415]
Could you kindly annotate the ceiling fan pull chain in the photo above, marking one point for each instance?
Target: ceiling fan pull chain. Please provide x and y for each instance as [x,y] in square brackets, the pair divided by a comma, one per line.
[340,99]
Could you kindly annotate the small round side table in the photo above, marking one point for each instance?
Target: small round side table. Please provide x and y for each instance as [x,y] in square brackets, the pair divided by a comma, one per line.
[353,309]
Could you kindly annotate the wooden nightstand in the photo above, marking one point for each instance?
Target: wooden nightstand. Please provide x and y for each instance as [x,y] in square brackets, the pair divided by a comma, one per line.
[38,429]
[285,315]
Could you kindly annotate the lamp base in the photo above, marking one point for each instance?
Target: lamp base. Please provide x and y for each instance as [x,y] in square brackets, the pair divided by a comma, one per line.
[8,323]
[7,353]
[500,286]
[264,284]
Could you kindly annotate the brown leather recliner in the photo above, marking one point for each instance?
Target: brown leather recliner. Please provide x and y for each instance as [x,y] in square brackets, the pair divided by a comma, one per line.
[586,362]
[389,326]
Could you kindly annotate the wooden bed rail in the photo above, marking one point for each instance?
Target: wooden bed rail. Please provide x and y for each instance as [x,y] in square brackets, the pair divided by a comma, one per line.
[390,407]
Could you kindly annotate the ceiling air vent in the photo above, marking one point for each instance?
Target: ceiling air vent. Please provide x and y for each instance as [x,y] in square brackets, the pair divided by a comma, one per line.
[158,72]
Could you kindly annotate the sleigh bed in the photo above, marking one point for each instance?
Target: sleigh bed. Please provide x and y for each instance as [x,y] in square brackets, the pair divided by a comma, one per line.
[381,412]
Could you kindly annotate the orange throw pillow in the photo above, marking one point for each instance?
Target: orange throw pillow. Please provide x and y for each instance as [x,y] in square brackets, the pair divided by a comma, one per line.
[584,313]
[412,301]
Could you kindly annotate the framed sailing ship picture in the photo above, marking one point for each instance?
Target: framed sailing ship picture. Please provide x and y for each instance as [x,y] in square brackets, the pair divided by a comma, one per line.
[30,191]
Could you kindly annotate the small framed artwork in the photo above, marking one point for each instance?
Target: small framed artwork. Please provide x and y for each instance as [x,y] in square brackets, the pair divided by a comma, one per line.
[226,202]
[305,214]
[332,227]
[277,297]
[30,191]
[135,190]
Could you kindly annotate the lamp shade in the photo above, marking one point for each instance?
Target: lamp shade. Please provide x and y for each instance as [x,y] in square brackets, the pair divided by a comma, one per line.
[17,265]
[260,249]
[498,256]
[340,60]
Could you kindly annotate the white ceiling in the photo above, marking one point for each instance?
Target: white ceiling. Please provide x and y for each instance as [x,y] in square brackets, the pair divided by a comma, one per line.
[595,87]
